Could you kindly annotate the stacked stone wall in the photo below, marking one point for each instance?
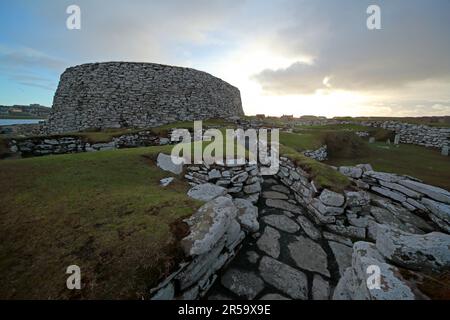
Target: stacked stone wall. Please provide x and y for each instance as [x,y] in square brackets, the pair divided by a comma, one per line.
[121,94]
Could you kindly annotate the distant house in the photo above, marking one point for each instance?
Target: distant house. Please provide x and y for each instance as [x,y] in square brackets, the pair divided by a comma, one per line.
[260,116]
[31,111]
[287,117]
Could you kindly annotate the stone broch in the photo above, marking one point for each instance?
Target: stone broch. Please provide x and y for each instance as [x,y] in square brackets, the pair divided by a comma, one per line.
[123,94]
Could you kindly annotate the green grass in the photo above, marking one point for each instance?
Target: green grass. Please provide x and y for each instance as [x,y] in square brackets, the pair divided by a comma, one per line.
[323,175]
[424,163]
[339,127]
[103,136]
[301,141]
[313,137]
[104,212]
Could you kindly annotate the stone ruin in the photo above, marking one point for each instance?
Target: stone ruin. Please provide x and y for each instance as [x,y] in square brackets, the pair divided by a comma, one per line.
[142,95]
[282,237]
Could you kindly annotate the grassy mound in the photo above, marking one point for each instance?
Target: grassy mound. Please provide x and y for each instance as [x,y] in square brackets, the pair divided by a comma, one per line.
[104,212]
[323,175]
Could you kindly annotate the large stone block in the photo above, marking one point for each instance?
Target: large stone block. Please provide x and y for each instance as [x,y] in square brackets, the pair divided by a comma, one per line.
[208,225]
[167,163]
[206,192]
[433,192]
[419,252]
[331,198]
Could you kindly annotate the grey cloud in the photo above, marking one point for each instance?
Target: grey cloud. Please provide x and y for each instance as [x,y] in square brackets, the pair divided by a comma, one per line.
[299,77]
[412,46]
[138,30]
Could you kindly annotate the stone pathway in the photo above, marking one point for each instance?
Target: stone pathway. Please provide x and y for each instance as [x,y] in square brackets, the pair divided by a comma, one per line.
[289,258]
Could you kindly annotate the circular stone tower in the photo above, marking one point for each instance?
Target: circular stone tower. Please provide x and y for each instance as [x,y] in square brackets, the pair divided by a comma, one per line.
[123,94]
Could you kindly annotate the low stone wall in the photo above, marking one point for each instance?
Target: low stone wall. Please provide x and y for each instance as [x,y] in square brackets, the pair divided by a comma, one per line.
[241,181]
[415,134]
[325,206]
[41,146]
[217,229]
[407,191]
[390,192]
[35,129]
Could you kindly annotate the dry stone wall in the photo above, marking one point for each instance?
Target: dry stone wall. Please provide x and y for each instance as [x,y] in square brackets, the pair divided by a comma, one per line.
[217,229]
[415,134]
[406,198]
[43,146]
[121,94]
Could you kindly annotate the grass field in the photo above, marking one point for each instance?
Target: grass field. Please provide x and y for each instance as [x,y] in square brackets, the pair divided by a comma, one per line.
[420,162]
[302,141]
[104,212]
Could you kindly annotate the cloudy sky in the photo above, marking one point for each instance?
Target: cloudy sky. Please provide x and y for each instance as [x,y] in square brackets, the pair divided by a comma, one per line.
[286,56]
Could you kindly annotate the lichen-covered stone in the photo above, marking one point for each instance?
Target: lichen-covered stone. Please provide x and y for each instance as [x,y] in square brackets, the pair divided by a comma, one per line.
[243,283]
[247,215]
[331,198]
[167,163]
[413,251]
[206,192]
[208,225]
